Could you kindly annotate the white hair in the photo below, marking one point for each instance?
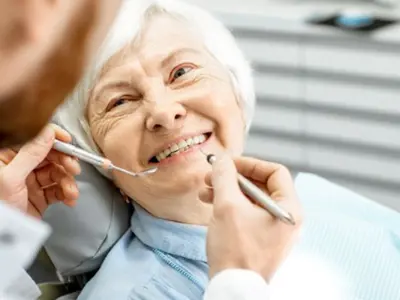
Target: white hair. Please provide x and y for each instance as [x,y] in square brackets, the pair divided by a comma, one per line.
[129,24]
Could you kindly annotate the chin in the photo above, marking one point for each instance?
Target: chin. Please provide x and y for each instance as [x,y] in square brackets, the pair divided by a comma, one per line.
[189,179]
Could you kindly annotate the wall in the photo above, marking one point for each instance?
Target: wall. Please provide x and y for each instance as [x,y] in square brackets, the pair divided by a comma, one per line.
[328,101]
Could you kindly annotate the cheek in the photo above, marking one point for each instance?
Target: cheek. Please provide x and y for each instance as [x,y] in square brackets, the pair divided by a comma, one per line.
[228,116]
[120,143]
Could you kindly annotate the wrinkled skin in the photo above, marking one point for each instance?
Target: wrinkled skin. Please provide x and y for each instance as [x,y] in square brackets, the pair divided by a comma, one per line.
[44,47]
[164,89]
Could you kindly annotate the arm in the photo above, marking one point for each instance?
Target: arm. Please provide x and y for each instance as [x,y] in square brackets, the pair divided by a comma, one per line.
[21,237]
[237,284]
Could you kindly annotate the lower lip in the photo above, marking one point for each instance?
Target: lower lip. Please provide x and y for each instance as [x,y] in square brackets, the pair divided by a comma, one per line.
[181,155]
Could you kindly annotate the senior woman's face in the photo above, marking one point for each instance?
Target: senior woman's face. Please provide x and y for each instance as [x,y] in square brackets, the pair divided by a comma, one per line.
[158,103]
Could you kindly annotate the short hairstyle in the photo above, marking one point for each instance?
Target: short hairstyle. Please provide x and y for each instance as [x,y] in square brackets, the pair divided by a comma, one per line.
[129,23]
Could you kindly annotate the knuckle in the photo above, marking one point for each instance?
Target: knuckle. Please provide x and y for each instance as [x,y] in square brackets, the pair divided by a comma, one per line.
[284,170]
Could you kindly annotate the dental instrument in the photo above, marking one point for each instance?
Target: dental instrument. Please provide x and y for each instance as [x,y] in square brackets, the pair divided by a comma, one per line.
[94,159]
[252,191]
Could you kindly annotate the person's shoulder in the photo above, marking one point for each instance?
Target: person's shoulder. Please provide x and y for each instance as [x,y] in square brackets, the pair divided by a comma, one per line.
[128,269]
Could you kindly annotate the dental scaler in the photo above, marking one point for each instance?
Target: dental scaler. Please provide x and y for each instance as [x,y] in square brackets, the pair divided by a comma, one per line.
[94,159]
[259,196]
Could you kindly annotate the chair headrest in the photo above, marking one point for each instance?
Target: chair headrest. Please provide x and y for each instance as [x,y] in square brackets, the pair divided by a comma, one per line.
[83,235]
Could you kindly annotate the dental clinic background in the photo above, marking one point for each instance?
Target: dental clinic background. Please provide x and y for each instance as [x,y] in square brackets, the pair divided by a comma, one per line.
[328,84]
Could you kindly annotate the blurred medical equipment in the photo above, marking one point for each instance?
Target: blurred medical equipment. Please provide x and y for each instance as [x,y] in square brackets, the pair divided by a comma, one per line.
[258,196]
[96,160]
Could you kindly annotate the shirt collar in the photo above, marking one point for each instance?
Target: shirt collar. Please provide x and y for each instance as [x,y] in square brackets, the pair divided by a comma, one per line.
[185,240]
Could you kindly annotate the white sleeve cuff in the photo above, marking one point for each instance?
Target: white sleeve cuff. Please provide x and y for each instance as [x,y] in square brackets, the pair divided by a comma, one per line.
[237,284]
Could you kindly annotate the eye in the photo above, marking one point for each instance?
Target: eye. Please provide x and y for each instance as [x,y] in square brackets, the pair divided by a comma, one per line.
[179,72]
[117,102]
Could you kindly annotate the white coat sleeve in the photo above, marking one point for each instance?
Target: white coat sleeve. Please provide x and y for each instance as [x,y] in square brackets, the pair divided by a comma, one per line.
[20,240]
[237,284]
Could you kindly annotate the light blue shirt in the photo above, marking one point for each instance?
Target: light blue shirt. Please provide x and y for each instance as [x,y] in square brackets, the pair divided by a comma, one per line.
[160,259]
[149,261]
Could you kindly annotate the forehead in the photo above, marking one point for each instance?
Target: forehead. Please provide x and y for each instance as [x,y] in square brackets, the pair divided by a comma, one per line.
[161,36]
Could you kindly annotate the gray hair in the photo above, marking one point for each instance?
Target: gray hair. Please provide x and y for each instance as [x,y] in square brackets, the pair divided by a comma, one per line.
[128,24]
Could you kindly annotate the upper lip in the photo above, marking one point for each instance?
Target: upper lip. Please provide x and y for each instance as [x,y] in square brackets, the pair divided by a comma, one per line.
[175,141]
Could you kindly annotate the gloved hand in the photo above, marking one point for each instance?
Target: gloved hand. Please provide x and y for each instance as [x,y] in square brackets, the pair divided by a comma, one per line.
[241,234]
[36,176]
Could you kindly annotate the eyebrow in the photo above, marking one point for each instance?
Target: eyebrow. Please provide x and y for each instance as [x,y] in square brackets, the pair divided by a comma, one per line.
[111,84]
[167,60]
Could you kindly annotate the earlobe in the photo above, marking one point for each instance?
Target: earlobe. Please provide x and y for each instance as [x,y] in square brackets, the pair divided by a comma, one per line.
[124,196]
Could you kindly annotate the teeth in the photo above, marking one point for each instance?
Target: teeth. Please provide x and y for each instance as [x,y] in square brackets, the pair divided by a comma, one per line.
[174,148]
[181,146]
[167,152]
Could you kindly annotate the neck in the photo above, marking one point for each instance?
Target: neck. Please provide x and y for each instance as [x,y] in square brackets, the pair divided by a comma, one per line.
[187,209]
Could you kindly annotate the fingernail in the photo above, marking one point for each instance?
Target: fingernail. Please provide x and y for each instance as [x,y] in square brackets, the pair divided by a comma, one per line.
[72,162]
[73,188]
[70,203]
[75,164]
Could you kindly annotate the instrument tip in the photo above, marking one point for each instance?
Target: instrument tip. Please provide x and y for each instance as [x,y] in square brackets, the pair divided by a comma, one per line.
[210,157]
[143,173]
[149,171]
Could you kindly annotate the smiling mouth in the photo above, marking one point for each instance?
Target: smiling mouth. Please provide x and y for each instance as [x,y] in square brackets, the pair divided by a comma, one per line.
[180,147]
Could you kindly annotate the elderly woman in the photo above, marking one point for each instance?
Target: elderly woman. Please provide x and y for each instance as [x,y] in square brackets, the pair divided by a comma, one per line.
[158,94]
[170,81]
[169,84]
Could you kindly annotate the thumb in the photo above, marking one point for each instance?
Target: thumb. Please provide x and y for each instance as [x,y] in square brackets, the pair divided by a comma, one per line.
[32,154]
[224,178]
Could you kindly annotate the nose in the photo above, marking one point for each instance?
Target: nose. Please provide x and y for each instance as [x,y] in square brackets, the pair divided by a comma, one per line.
[166,116]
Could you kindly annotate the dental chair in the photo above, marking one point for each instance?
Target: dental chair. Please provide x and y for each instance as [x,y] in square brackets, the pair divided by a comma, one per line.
[82,236]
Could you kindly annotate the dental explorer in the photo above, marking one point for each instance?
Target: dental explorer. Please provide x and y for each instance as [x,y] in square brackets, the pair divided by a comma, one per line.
[258,196]
[94,159]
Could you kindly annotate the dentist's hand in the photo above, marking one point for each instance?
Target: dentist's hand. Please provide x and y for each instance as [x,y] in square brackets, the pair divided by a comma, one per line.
[36,176]
[241,234]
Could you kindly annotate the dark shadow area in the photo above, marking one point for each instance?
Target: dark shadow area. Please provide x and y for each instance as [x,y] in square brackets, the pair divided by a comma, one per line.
[42,269]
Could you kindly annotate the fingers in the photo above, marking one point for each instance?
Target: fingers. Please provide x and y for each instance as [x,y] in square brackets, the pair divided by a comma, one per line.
[276,178]
[6,156]
[255,169]
[224,178]
[61,134]
[55,193]
[54,174]
[70,164]
[50,185]
[207,195]
[32,154]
